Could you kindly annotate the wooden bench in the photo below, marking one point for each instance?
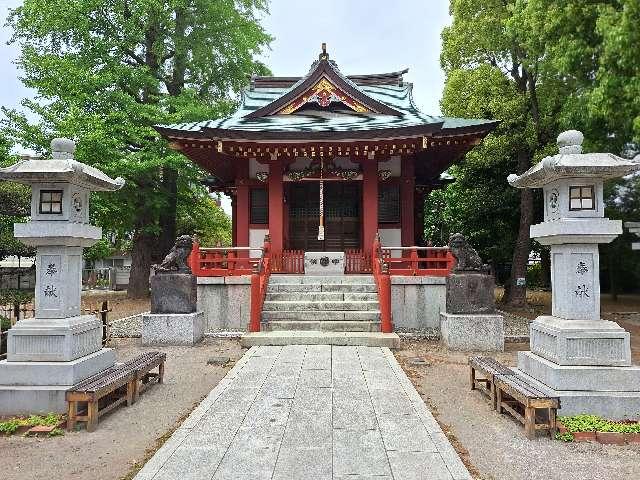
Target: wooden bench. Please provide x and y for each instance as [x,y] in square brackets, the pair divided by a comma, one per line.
[524,401]
[106,390]
[489,368]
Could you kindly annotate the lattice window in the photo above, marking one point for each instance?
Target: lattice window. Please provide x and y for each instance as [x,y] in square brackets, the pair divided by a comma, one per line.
[582,198]
[259,206]
[51,202]
[389,204]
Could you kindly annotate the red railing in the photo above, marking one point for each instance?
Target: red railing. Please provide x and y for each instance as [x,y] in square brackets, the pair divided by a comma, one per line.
[356,261]
[289,261]
[383,281]
[259,284]
[222,261]
[419,261]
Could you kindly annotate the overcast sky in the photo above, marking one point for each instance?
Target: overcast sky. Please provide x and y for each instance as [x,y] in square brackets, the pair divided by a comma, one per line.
[362,36]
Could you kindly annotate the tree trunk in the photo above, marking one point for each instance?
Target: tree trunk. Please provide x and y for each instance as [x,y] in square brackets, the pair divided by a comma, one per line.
[545,263]
[141,260]
[516,295]
[167,219]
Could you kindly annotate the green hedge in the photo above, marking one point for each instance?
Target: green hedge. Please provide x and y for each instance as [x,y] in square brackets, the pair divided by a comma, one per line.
[10,296]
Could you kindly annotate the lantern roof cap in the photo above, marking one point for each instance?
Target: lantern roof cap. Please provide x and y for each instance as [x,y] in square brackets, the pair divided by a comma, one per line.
[61,168]
[572,163]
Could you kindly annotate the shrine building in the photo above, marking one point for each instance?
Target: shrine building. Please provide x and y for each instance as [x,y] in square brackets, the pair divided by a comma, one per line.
[324,162]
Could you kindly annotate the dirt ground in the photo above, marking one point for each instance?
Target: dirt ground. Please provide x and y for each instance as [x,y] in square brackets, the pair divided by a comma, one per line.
[119,304]
[125,435]
[494,446]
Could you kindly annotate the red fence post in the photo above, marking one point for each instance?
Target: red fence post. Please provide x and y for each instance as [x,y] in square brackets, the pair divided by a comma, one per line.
[256,310]
[384,296]
[194,259]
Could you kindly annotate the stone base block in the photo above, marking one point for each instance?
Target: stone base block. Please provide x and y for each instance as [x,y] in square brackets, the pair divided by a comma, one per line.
[610,405]
[27,400]
[580,377]
[55,373]
[40,387]
[54,340]
[470,293]
[482,333]
[324,263]
[173,328]
[174,293]
[580,342]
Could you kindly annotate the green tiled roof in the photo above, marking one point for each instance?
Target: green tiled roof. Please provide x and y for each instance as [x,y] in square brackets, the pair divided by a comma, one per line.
[397,97]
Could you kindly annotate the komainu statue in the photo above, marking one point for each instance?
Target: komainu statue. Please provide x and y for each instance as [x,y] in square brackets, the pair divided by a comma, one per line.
[467,259]
[176,259]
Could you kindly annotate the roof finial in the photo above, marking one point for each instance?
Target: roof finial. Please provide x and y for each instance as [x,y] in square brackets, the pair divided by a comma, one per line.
[324,55]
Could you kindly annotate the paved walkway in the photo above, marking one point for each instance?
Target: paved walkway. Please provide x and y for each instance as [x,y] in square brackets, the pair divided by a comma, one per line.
[309,412]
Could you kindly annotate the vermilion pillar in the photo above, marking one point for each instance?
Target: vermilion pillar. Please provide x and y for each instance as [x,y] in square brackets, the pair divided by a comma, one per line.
[369,203]
[407,198]
[276,206]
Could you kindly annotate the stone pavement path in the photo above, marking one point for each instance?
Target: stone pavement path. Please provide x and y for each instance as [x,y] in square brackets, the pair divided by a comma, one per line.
[309,412]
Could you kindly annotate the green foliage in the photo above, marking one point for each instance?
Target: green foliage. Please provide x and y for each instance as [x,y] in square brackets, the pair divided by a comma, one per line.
[565,437]
[102,249]
[106,72]
[8,427]
[12,296]
[206,219]
[56,432]
[535,275]
[594,423]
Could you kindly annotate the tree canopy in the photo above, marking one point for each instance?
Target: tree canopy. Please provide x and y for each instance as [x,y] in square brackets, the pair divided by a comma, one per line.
[541,67]
[106,72]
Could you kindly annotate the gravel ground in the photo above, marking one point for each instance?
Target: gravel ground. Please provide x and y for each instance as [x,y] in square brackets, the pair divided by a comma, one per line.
[125,435]
[494,446]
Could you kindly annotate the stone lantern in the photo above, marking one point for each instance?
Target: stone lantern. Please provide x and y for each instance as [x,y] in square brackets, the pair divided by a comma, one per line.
[59,346]
[576,355]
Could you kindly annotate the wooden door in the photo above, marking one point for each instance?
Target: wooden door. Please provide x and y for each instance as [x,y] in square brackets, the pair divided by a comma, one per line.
[342,216]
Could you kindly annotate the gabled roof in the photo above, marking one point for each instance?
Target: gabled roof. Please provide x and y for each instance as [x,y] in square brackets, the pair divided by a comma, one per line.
[324,70]
[389,111]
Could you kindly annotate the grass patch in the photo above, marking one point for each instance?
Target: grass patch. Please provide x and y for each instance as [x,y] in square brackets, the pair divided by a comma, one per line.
[9,427]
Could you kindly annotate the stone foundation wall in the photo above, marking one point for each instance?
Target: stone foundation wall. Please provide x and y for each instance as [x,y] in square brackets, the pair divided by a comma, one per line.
[416,303]
[225,301]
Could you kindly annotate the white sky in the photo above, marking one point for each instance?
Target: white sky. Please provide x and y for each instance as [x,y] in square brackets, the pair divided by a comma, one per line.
[362,36]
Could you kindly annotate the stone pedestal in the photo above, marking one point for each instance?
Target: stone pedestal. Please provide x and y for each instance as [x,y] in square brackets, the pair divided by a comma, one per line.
[174,293]
[470,293]
[324,263]
[39,387]
[472,332]
[54,340]
[173,328]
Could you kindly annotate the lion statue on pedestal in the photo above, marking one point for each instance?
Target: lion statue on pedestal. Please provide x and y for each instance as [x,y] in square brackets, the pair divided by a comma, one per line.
[467,259]
[176,259]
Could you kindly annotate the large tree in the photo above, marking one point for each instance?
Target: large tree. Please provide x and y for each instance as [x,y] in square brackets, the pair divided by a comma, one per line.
[106,71]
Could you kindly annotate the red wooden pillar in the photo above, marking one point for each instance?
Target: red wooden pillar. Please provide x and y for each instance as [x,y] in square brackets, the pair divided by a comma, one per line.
[234,219]
[276,206]
[407,198]
[369,203]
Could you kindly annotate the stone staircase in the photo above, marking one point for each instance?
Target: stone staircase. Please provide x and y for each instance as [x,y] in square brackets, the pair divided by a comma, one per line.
[335,310]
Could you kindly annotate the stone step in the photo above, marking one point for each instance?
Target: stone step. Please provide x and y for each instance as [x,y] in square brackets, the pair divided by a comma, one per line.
[298,306]
[319,287]
[321,279]
[322,316]
[322,325]
[321,297]
[312,337]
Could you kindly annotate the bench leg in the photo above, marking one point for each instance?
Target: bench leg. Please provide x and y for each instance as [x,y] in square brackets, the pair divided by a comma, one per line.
[498,395]
[492,390]
[472,374]
[553,428]
[92,415]
[530,422]
[131,392]
[72,413]
[161,373]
